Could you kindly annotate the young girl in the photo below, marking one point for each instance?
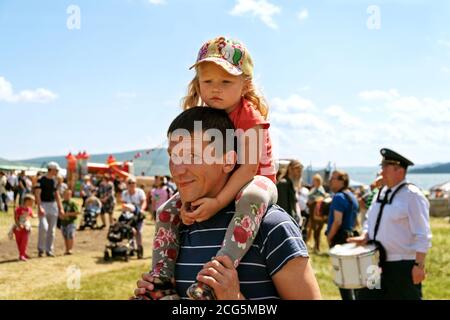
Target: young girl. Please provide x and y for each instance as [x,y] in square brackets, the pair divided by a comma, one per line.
[22,225]
[223,80]
[159,194]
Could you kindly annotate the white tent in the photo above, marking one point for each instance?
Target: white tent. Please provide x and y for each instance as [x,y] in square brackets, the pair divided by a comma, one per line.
[445,187]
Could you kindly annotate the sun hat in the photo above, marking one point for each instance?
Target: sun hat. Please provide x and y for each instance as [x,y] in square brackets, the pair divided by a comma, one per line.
[228,53]
[53,165]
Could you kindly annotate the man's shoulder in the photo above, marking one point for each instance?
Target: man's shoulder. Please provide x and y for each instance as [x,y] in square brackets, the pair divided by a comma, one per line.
[274,217]
[339,197]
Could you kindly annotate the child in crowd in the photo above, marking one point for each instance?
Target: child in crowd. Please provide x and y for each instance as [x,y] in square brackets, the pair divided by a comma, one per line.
[21,228]
[68,226]
[159,194]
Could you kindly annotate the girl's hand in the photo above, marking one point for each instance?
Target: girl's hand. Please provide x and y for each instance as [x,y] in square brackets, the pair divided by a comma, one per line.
[206,208]
[186,215]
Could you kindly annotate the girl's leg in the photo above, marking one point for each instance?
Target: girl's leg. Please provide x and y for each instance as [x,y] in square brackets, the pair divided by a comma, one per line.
[165,248]
[26,236]
[18,237]
[251,205]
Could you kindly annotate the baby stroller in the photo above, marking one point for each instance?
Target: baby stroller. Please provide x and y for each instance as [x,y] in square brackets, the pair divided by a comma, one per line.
[121,237]
[92,208]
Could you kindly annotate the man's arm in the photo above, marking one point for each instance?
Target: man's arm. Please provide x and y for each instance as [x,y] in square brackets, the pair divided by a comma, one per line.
[58,202]
[143,202]
[296,281]
[37,194]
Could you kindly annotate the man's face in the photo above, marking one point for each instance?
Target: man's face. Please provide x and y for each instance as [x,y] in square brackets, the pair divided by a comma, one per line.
[335,183]
[295,172]
[195,181]
[391,173]
[131,186]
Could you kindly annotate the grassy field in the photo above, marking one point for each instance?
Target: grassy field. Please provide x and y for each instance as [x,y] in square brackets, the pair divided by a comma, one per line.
[52,278]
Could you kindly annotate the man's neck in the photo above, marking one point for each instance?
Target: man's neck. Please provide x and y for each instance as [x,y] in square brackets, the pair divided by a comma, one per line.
[395,183]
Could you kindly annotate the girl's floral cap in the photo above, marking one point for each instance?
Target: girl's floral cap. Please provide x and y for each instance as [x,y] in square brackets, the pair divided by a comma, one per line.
[228,53]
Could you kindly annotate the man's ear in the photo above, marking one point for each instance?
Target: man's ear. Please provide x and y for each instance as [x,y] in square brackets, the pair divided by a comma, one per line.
[230,159]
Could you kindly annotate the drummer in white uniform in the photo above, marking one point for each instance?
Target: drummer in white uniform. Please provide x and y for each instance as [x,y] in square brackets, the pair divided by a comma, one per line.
[398,221]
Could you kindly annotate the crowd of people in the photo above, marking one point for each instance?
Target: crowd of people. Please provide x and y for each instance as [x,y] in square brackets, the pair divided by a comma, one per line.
[56,208]
[234,228]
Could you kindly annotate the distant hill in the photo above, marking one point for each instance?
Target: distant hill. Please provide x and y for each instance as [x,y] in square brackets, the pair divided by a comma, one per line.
[435,168]
[150,163]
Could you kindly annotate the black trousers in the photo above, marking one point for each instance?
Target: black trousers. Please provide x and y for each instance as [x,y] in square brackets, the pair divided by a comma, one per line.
[396,283]
[4,201]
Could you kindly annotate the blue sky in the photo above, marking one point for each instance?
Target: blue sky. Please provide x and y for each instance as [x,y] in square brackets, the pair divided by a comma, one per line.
[338,89]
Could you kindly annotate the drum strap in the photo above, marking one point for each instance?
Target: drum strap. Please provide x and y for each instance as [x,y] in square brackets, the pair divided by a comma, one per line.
[383,202]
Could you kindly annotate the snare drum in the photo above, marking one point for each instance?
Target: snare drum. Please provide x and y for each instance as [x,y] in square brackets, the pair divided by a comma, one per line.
[353,264]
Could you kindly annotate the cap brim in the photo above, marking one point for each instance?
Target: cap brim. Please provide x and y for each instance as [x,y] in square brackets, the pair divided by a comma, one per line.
[230,68]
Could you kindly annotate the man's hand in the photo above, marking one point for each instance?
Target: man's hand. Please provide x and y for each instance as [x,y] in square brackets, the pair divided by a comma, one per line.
[360,240]
[146,288]
[221,275]
[206,208]
[145,284]
[418,274]
[128,207]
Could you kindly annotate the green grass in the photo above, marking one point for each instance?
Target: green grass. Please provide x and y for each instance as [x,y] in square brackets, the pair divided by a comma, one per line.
[113,285]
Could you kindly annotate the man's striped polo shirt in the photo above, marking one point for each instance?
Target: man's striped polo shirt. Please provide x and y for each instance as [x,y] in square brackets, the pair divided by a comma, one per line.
[278,240]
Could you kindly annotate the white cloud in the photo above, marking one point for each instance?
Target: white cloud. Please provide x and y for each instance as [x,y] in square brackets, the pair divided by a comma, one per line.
[292,103]
[157,2]
[445,70]
[303,14]
[416,125]
[39,95]
[262,9]
[444,43]
[300,121]
[378,94]
[365,110]
[343,117]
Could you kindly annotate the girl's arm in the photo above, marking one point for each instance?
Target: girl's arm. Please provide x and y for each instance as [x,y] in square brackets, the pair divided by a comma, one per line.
[243,175]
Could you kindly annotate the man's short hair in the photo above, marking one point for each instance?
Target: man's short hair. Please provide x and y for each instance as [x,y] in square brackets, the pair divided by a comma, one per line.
[210,119]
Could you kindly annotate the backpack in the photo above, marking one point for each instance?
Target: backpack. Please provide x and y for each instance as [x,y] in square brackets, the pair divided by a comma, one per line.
[8,186]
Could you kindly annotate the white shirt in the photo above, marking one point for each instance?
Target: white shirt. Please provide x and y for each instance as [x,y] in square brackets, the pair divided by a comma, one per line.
[302,198]
[3,181]
[13,180]
[404,227]
[136,198]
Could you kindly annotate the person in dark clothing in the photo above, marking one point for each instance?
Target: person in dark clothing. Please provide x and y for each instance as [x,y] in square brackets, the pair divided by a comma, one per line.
[342,218]
[286,187]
